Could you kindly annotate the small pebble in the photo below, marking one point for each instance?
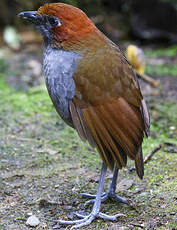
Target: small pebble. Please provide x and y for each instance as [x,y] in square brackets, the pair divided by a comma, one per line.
[143,194]
[33,221]
[172,213]
[68,207]
[29,213]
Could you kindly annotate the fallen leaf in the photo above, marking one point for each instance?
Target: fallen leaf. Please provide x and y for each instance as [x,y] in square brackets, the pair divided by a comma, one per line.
[125,184]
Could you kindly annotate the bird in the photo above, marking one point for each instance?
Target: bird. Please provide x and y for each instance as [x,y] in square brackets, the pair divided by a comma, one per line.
[95,90]
[135,56]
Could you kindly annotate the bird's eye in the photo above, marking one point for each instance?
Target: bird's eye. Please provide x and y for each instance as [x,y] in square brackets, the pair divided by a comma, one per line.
[54,21]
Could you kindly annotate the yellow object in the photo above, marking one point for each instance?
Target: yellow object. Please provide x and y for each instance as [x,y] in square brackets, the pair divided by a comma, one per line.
[136,58]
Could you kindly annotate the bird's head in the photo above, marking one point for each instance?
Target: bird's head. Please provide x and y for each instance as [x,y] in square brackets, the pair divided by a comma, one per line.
[60,24]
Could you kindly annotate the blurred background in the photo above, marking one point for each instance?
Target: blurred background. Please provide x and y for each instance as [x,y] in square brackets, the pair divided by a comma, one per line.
[35,144]
[143,20]
[147,24]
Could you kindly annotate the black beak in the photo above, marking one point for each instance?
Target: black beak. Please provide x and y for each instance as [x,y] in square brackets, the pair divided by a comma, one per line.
[29,15]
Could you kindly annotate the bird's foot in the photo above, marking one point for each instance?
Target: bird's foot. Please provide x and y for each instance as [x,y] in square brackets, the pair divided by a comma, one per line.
[104,197]
[86,220]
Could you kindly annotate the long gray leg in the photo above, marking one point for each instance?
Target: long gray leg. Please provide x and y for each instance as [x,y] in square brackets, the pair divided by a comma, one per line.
[112,188]
[95,213]
[110,193]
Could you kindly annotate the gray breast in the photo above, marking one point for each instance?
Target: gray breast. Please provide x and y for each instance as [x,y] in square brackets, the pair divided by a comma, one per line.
[59,67]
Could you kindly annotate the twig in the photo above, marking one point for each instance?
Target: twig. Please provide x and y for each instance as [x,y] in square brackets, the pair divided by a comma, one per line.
[150,80]
[20,138]
[149,156]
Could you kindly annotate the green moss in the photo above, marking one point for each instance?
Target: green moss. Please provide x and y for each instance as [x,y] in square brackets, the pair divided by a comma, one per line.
[162,70]
[4,89]
[31,102]
[2,65]
[166,126]
[162,52]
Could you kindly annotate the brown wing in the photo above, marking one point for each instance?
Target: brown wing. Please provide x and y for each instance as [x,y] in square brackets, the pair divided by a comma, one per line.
[108,109]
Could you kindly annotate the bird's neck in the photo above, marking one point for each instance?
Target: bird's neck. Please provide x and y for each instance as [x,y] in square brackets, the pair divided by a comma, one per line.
[92,42]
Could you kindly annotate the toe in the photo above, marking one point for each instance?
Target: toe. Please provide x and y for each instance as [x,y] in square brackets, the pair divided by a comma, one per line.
[109,217]
[65,222]
[87,195]
[89,202]
[80,215]
[86,221]
[119,198]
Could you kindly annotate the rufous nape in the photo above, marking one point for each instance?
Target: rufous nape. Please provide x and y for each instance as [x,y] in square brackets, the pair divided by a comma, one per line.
[95,91]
